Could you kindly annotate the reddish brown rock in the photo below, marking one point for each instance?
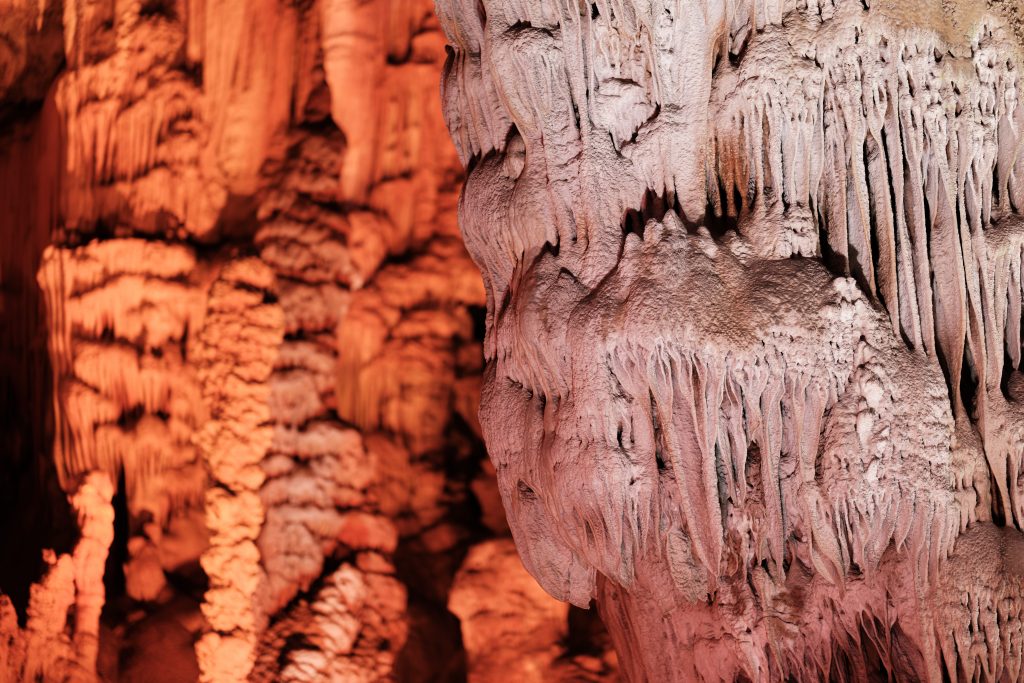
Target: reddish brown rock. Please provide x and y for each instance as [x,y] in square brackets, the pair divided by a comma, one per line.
[238,290]
[511,628]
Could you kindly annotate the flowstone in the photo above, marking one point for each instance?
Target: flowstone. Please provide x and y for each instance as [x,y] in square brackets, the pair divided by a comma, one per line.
[754,324]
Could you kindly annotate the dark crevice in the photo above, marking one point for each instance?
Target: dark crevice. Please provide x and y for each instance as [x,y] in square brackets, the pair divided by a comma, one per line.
[869,152]
[720,222]
[752,473]
[473,162]
[835,263]
[113,572]
[736,57]
[999,512]
[586,633]
[158,8]
[551,249]
[434,651]
[968,382]
[995,186]
[650,119]
[653,206]
[659,453]
[1008,372]
[479,316]
[521,27]
[34,511]
[768,181]
[393,60]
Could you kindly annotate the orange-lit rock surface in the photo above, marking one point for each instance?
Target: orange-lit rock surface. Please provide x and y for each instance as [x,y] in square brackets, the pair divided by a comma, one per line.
[515,631]
[243,344]
[60,637]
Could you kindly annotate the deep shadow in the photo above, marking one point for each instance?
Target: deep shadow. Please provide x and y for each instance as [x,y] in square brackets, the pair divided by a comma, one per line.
[34,512]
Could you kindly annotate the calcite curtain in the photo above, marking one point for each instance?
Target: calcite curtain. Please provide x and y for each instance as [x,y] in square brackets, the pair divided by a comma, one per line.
[754,324]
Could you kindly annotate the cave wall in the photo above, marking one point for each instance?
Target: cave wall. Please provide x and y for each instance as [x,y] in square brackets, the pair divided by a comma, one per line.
[753,327]
[241,345]
[747,343]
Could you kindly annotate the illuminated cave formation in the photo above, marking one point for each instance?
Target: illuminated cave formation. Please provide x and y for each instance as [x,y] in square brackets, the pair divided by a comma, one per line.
[241,351]
[754,324]
[736,398]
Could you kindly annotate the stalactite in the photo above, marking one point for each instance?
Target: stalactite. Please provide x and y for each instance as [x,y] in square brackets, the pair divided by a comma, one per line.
[752,288]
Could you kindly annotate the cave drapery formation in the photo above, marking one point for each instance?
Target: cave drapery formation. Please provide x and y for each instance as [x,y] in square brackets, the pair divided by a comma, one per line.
[750,319]
[241,357]
[753,274]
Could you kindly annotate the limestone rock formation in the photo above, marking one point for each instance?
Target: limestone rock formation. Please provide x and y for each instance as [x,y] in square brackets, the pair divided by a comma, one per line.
[753,326]
[237,345]
[60,639]
[497,601]
[126,400]
[232,283]
[747,346]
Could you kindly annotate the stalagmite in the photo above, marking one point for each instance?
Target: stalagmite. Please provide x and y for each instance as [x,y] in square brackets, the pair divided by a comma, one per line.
[60,639]
[238,284]
[753,326]
[236,357]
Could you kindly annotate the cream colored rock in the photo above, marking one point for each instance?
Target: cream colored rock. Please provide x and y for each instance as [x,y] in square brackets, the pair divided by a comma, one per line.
[753,277]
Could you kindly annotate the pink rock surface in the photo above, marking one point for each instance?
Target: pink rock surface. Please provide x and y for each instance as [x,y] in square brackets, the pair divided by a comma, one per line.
[753,323]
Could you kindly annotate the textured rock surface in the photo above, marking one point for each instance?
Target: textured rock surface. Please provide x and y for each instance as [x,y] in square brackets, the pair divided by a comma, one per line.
[126,399]
[237,289]
[511,628]
[753,326]
[60,639]
[237,346]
